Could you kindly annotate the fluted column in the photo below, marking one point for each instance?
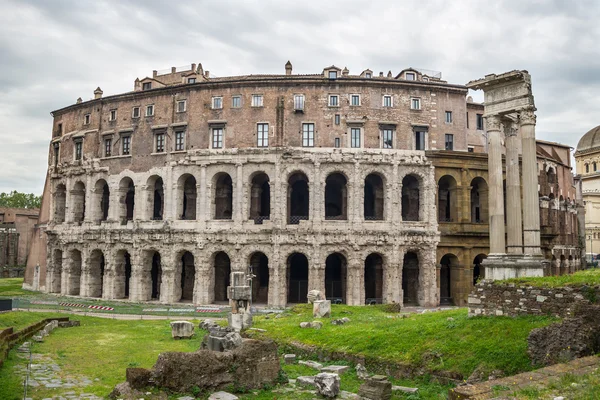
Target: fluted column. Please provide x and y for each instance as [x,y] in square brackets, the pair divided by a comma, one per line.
[531,216]
[513,191]
[496,192]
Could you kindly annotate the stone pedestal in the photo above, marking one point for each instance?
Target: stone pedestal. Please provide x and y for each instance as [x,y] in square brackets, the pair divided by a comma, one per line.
[322,309]
[507,266]
[239,294]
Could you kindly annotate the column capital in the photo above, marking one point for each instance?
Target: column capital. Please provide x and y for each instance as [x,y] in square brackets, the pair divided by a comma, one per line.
[527,116]
[493,122]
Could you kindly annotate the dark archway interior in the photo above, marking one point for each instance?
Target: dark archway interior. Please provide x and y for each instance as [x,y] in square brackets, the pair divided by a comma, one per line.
[188,276]
[260,283]
[159,200]
[156,275]
[298,198]
[297,277]
[336,197]
[260,198]
[129,201]
[373,198]
[373,279]
[223,197]
[410,198]
[105,201]
[189,199]
[127,258]
[335,278]
[410,278]
[222,275]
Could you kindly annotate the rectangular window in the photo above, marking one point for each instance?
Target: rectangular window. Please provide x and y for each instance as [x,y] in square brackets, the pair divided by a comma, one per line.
[262,133]
[415,103]
[448,117]
[480,122]
[419,140]
[337,119]
[355,137]
[308,135]
[126,145]
[387,135]
[113,115]
[135,113]
[56,154]
[387,101]
[257,100]
[181,106]
[236,102]
[217,103]
[337,142]
[59,130]
[86,119]
[217,138]
[368,75]
[149,111]
[298,102]
[333,100]
[410,76]
[107,147]
[160,142]
[355,100]
[179,140]
[78,149]
[191,80]
[471,149]
[147,86]
[332,74]
[449,143]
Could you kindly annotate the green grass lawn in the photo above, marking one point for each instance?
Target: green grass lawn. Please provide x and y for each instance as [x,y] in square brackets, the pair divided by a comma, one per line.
[12,287]
[438,341]
[20,320]
[590,277]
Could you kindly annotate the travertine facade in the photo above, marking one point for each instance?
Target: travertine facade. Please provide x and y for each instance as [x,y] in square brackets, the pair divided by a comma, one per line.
[326,181]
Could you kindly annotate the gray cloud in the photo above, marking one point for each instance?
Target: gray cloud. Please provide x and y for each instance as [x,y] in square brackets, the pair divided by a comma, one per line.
[53,52]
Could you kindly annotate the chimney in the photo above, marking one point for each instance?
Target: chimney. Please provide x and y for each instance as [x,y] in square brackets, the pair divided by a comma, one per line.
[345,72]
[98,93]
[389,75]
[288,68]
[137,85]
[381,74]
[173,70]
[193,66]
[79,101]
[200,70]
[207,74]
[154,73]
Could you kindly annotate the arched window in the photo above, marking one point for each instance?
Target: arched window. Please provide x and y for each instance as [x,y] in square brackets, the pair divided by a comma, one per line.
[126,200]
[447,202]
[336,197]
[78,201]
[374,198]
[410,198]
[587,168]
[60,197]
[186,189]
[223,200]
[479,201]
[298,198]
[260,198]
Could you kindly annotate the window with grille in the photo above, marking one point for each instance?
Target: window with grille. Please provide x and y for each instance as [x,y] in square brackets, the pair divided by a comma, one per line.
[308,135]
[262,134]
[107,147]
[355,137]
[160,142]
[126,145]
[179,140]
[387,135]
[217,138]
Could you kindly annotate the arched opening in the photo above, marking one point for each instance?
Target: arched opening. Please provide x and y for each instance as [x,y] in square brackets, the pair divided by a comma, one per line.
[563,264]
[551,176]
[336,197]
[478,269]
[158,200]
[78,202]
[298,198]
[187,193]
[448,264]
[60,198]
[222,266]
[479,201]
[335,278]
[223,205]
[374,198]
[260,198]
[259,264]
[410,198]
[56,276]
[410,278]
[126,199]
[447,202]
[122,274]
[156,276]
[187,277]
[74,273]
[101,200]
[373,279]
[96,273]
[297,278]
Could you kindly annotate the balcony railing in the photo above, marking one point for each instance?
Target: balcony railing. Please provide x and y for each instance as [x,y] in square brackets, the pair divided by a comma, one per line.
[373,218]
[295,219]
[336,217]
[258,220]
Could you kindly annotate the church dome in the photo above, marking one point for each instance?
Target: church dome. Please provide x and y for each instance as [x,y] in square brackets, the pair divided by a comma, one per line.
[589,141]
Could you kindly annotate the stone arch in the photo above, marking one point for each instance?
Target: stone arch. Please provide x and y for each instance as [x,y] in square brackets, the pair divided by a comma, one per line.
[156,197]
[411,201]
[223,196]
[410,278]
[60,202]
[448,278]
[447,199]
[336,196]
[260,197]
[336,277]
[374,197]
[551,176]
[126,199]
[297,278]
[101,200]
[478,268]
[185,276]
[73,286]
[259,264]
[156,276]
[122,275]
[95,275]
[55,274]
[298,197]
[374,281]
[479,201]
[186,197]
[222,274]
[78,202]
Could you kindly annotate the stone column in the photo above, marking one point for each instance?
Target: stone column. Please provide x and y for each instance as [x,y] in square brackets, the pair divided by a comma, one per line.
[496,191]
[239,193]
[202,208]
[531,217]
[465,195]
[513,191]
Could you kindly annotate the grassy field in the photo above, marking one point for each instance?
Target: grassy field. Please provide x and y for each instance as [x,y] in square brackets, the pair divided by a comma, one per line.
[437,341]
[569,386]
[590,277]
[12,287]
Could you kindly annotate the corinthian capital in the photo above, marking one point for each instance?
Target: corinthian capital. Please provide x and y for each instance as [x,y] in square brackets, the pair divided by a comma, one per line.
[492,122]
[527,117]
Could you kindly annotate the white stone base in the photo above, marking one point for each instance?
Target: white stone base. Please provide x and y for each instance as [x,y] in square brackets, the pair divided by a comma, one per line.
[507,266]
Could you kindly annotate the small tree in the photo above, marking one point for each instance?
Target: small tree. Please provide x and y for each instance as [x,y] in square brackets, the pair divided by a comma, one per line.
[20,200]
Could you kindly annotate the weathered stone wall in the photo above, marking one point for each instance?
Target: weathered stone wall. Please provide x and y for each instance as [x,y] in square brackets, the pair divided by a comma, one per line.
[490,298]
[9,245]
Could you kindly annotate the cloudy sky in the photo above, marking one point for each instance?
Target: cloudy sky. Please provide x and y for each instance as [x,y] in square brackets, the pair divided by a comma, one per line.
[52,52]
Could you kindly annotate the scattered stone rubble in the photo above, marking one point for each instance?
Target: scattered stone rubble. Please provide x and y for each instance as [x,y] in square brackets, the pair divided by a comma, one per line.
[327,384]
[314,295]
[376,387]
[182,329]
[322,309]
